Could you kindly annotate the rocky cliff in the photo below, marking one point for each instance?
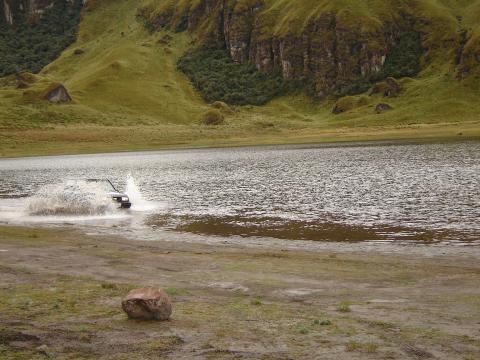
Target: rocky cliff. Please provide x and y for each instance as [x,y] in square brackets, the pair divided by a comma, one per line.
[35,32]
[14,11]
[329,43]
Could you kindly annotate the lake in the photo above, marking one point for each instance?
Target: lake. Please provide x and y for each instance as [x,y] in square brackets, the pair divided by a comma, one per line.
[403,193]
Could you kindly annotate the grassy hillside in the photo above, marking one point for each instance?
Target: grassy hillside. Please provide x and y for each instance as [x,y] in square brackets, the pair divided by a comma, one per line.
[128,93]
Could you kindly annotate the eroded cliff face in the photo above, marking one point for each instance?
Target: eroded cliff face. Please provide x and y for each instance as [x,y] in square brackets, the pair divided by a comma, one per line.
[14,11]
[330,47]
[35,32]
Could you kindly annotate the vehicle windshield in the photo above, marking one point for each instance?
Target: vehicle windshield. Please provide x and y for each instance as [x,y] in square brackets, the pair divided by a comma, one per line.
[106,185]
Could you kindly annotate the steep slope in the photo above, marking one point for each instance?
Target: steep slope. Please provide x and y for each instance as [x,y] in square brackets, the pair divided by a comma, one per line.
[116,70]
[128,94]
[331,43]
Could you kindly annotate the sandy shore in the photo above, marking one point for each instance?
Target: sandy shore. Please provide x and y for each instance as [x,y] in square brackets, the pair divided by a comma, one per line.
[61,292]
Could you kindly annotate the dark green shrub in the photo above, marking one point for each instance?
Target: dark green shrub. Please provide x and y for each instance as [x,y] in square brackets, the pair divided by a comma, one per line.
[29,47]
[402,60]
[218,78]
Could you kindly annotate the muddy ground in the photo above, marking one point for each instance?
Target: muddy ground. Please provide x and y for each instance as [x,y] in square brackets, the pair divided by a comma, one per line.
[60,294]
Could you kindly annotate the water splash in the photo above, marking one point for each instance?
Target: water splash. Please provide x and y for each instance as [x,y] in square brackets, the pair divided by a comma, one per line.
[71,198]
[136,197]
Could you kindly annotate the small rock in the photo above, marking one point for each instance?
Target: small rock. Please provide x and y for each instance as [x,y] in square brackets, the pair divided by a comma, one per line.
[78,52]
[300,292]
[147,304]
[57,93]
[393,88]
[228,286]
[382,107]
[165,39]
[43,349]
[388,88]
[224,107]
[213,117]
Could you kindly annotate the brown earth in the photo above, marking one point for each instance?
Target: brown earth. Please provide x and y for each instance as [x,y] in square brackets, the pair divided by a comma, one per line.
[60,297]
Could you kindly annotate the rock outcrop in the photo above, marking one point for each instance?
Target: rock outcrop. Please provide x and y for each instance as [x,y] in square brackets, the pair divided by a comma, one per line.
[57,93]
[382,107]
[147,304]
[388,88]
[328,49]
[327,43]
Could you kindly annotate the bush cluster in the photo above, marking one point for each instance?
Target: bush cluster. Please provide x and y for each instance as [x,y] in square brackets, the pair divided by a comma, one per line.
[29,46]
[219,78]
[402,60]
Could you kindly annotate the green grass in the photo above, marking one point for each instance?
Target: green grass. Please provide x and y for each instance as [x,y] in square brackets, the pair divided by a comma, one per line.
[128,94]
[344,306]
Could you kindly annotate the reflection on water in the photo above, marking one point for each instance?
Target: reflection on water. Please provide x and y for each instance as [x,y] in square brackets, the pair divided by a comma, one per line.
[336,193]
[297,229]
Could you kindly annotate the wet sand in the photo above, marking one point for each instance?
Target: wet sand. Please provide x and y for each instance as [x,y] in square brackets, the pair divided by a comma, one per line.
[62,289]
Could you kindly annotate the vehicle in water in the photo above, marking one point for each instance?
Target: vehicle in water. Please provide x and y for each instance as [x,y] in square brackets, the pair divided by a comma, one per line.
[121,198]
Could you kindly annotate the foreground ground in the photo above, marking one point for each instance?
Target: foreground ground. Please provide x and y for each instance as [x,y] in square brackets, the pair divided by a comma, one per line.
[60,295]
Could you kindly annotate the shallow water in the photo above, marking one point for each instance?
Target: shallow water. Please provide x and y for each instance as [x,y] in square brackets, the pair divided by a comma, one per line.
[411,193]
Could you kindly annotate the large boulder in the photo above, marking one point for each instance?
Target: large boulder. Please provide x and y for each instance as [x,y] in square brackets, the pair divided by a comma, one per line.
[382,107]
[147,304]
[388,88]
[221,106]
[57,93]
[213,117]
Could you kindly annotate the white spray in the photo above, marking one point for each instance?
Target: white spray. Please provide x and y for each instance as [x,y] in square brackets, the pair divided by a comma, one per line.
[70,198]
[136,198]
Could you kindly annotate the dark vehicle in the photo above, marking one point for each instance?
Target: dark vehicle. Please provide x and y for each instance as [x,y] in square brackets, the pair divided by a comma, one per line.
[120,198]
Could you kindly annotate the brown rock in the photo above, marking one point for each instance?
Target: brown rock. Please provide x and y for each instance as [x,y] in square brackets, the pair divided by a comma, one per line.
[220,105]
[380,108]
[213,117]
[147,304]
[57,93]
[388,88]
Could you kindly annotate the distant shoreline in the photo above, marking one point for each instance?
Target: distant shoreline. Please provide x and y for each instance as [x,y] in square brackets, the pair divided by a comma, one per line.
[57,142]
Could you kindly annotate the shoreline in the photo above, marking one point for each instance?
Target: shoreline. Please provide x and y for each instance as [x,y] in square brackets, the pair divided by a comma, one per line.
[340,141]
[263,243]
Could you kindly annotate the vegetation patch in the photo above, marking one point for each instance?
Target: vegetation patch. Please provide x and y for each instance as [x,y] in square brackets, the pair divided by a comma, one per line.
[348,103]
[344,306]
[256,302]
[403,60]
[219,78]
[31,46]
[213,117]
